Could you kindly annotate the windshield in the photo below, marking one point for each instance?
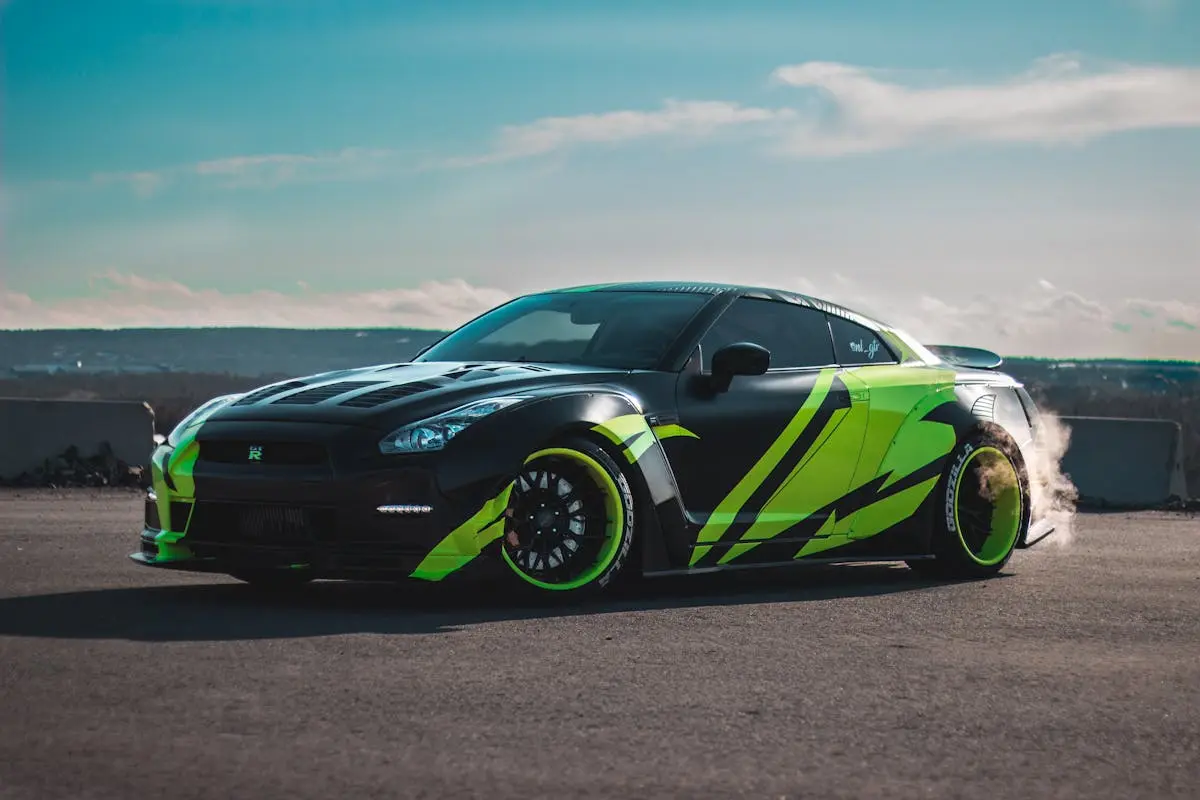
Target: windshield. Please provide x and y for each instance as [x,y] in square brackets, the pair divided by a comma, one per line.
[622,330]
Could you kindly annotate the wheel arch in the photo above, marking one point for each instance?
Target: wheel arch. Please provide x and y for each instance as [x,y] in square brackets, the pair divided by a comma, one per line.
[609,417]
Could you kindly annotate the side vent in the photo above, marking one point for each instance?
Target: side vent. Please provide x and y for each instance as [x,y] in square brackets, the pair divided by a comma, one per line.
[389,393]
[319,394]
[269,391]
[985,408]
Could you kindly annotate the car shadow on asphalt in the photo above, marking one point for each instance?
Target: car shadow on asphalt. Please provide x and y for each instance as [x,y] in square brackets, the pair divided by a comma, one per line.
[223,610]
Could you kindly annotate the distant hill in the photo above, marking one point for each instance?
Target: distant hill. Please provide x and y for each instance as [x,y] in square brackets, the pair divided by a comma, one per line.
[234,351]
[252,352]
[177,369]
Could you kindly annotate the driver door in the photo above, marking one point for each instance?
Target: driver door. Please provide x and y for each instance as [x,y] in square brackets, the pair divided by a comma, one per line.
[767,455]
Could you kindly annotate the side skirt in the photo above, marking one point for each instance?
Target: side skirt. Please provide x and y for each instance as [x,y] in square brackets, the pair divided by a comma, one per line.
[800,562]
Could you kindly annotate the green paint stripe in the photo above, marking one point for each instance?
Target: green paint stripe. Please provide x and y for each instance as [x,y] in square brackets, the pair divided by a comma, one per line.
[818,492]
[726,510]
[620,429]
[672,430]
[466,541]
[638,447]
[824,538]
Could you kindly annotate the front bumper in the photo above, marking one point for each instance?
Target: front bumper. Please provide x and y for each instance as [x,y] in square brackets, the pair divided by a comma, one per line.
[311,500]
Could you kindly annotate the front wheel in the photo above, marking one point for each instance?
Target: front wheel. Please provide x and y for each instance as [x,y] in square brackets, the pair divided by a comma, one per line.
[571,520]
[983,509]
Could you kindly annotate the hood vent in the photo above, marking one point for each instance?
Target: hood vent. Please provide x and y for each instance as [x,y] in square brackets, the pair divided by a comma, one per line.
[321,393]
[389,393]
[491,370]
[465,370]
[269,391]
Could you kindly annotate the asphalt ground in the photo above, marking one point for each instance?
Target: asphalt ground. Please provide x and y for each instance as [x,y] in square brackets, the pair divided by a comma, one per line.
[1075,674]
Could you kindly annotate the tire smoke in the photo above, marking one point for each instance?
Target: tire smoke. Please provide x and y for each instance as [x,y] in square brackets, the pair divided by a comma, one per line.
[1052,493]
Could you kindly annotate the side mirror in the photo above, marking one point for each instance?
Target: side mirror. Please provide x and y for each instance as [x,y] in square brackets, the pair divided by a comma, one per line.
[739,358]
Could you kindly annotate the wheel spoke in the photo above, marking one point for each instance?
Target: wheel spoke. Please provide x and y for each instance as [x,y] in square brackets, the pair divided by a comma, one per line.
[560,526]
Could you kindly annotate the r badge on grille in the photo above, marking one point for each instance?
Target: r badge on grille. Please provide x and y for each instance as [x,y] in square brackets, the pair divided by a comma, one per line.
[255,453]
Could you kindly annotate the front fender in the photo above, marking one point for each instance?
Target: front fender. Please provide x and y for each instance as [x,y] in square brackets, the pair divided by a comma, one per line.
[486,457]
[491,451]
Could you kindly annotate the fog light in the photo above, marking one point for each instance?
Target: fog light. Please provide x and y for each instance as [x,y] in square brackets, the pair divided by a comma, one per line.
[407,509]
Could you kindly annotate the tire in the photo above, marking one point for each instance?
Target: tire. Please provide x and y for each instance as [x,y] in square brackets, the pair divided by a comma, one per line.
[571,520]
[274,579]
[982,509]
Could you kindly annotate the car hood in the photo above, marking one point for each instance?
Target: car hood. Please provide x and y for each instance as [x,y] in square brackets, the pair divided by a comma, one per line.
[387,394]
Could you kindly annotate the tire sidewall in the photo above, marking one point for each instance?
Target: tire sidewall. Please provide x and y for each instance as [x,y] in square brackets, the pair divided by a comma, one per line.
[615,570]
[948,545]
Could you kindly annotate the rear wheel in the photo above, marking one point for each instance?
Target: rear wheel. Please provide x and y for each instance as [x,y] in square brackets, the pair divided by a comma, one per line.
[983,509]
[570,519]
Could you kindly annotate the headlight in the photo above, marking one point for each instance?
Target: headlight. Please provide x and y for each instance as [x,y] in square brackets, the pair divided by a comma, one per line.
[433,433]
[198,416]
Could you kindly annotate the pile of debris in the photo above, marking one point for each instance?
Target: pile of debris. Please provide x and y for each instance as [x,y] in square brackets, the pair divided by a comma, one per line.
[70,469]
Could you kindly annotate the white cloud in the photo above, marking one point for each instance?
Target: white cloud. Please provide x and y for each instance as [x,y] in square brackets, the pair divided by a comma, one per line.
[675,118]
[263,170]
[858,110]
[1057,101]
[127,300]
[353,163]
[1154,8]
[1041,320]
[143,184]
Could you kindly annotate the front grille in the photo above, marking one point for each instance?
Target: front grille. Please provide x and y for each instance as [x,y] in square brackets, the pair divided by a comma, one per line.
[281,453]
[389,393]
[180,511]
[260,524]
[321,393]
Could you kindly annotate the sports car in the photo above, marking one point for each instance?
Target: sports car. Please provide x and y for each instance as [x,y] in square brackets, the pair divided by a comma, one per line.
[569,440]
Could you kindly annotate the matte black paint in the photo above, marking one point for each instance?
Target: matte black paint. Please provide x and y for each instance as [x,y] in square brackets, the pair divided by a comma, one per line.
[681,480]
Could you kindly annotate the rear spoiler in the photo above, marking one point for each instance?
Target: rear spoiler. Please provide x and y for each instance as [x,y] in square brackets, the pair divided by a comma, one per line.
[972,357]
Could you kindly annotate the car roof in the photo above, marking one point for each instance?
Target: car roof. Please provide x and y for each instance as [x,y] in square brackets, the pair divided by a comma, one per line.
[715,288]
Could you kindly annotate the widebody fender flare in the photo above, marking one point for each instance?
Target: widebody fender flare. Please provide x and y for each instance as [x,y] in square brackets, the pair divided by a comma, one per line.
[611,417]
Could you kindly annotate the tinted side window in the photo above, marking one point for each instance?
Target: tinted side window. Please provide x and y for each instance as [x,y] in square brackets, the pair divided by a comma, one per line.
[858,345]
[795,335]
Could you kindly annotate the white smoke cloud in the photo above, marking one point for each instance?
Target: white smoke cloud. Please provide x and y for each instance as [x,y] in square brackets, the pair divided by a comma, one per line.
[1052,494]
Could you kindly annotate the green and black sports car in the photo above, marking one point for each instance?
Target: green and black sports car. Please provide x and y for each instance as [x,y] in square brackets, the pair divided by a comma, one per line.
[568,439]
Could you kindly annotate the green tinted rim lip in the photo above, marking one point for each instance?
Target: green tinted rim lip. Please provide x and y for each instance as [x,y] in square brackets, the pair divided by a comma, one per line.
[1006,511]
[613,507]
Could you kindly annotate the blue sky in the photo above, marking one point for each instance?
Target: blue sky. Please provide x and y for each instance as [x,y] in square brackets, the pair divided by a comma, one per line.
[310,162]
